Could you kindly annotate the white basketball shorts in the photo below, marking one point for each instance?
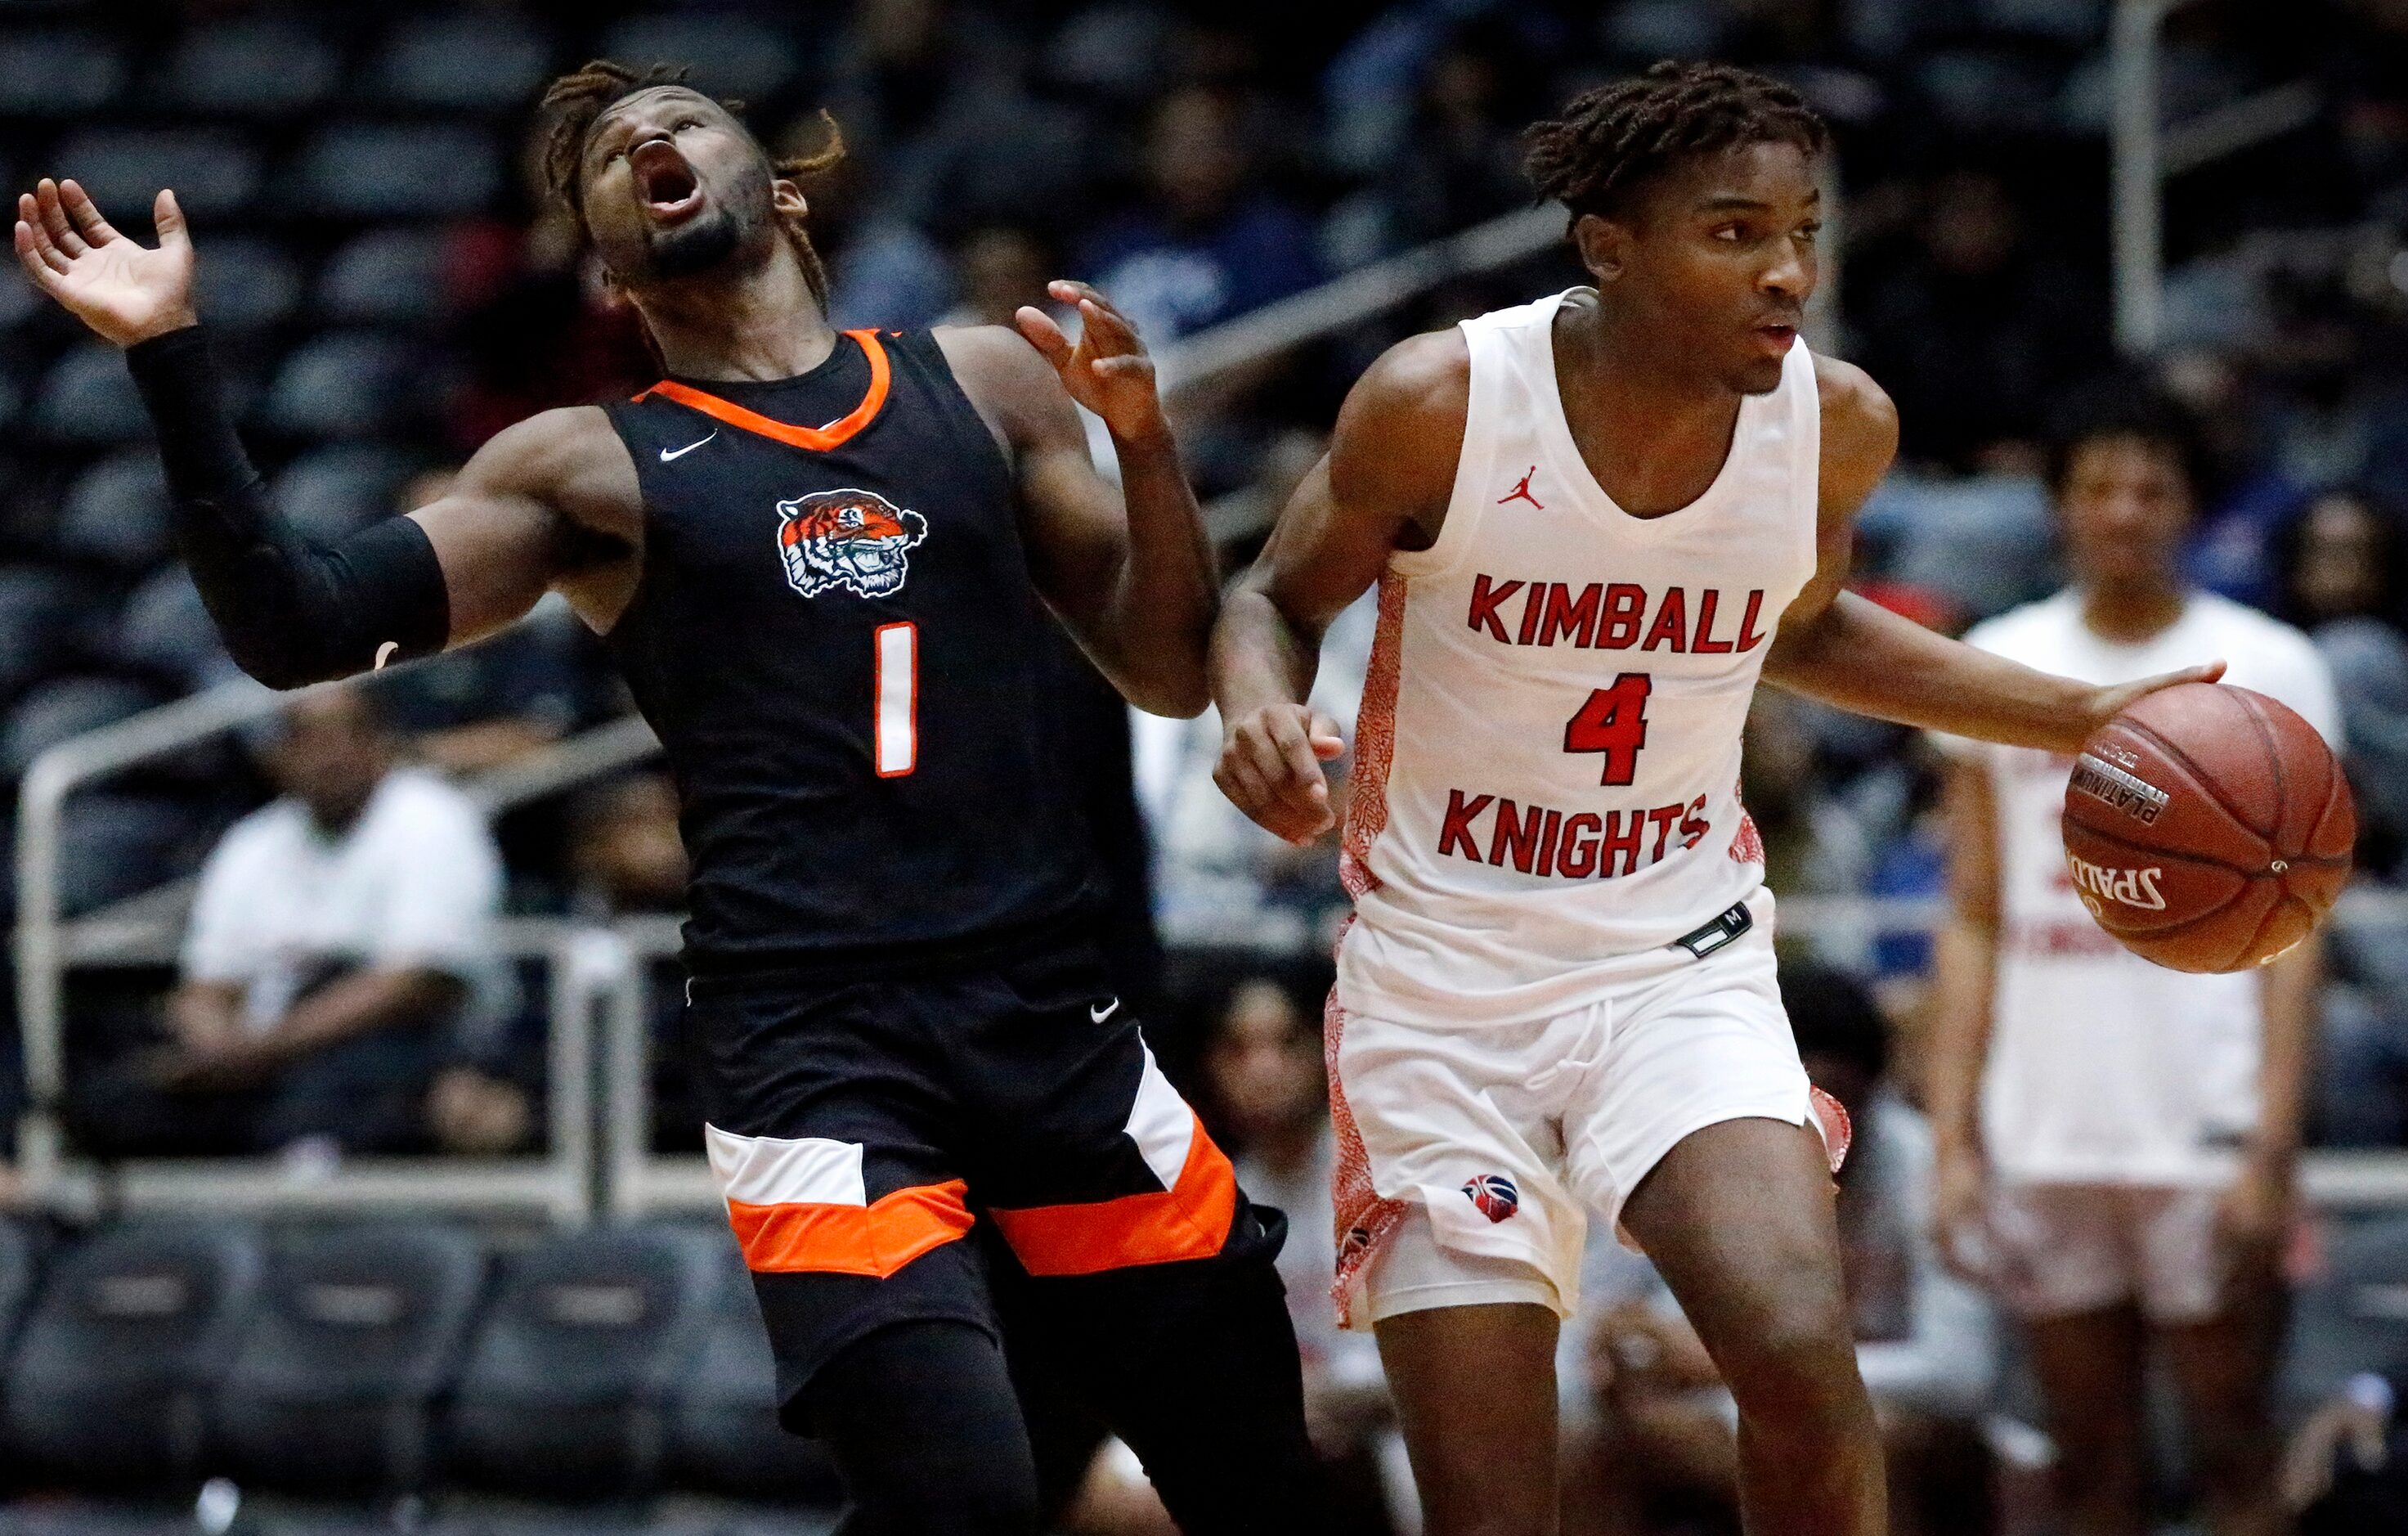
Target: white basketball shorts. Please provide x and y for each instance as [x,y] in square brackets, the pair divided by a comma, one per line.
[1486,1146]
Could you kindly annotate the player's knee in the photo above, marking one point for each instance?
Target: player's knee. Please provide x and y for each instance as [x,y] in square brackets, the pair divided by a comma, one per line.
[1798,1365]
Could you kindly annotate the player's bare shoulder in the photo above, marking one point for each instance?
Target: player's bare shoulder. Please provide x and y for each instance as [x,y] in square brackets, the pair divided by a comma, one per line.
[1401,429]
[1860,433]
[1008,382]
[570,460]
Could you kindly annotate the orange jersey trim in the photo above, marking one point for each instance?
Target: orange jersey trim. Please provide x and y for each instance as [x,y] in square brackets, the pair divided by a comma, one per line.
[876,1239]
[1190,1220]
[819,440]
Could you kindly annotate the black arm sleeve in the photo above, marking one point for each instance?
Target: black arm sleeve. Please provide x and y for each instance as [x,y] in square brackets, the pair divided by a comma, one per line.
[291,611]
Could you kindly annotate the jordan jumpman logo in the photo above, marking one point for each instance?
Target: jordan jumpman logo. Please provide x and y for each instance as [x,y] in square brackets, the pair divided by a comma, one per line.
[1521,492]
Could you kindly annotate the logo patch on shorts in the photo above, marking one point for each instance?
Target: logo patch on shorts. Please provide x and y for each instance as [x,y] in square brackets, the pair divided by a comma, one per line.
[1494,1195]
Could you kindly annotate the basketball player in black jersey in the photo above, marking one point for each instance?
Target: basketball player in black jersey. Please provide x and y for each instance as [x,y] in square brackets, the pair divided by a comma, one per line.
[825,563]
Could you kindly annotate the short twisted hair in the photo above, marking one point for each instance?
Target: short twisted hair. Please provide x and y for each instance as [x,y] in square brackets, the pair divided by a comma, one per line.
[577,101]
[1596,153]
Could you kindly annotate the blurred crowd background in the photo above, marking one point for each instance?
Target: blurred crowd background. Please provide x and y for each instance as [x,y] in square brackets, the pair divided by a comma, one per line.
[387,290]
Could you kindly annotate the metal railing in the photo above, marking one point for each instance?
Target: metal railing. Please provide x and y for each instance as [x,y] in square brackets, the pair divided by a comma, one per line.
[142,930]
[2143,155]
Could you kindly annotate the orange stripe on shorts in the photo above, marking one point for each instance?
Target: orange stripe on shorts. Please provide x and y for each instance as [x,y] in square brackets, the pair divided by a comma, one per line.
[876,1239]
[1189,1220]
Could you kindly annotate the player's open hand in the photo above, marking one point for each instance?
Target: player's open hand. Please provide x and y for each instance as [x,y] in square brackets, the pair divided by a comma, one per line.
[1107,369]
[2107,703]
[126,291]
[1271,769]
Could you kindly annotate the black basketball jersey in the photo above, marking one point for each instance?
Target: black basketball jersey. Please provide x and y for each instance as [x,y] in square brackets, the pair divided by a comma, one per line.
[838,641]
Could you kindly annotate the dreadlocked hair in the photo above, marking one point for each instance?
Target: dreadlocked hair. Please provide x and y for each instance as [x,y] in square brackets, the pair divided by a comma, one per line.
[1610,141]
[576,101]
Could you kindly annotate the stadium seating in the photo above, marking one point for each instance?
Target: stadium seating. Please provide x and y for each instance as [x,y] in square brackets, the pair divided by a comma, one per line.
[130,1336]
[723,1432]
[2354,1318]
[116,513]
[88,399]
[19,1254]
[214,171]
[357,1330]
[258,67]
[569,1384]
[475,62]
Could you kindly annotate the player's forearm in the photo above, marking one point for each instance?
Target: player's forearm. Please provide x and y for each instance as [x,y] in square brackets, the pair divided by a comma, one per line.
[1167,597]
[2288,1002]
[1858,656]
[1261,656]
[291,612]
[1964,971]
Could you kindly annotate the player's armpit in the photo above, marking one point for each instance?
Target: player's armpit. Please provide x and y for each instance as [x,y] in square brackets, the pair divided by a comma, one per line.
[552,501]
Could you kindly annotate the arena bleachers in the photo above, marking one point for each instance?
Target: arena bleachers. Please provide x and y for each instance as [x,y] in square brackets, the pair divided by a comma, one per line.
[435,1340]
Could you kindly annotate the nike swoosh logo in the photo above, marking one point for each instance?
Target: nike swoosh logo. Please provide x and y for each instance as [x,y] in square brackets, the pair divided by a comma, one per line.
[1098,1015]
[668,454]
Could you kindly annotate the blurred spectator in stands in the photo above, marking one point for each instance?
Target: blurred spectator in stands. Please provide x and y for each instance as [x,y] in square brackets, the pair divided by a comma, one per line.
[883,269]
[1003,266]
[1219,879]
[1264,1077]
[626,859]
[936,91]
[1458,161]
[1926,1340]
[2339,568]
[1813,844]
[1968,324]
[521,690]
[625,853]
[1208,243]
[2340,564]
[336,937]
[2345,1472]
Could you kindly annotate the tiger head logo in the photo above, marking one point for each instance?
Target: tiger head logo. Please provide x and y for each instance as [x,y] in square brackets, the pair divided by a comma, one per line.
[847,539]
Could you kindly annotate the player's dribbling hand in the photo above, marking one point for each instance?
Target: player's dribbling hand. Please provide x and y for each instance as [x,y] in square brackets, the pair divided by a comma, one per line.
[1271,769]
[1107,369]
[2107,703]
[126,291]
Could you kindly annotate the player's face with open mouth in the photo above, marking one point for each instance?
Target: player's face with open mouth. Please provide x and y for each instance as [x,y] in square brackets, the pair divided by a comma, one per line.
[671,186]
[1724,252]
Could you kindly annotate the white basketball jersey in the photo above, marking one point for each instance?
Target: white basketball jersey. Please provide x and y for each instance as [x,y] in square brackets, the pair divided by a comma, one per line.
[2103,1068]
[1547,757]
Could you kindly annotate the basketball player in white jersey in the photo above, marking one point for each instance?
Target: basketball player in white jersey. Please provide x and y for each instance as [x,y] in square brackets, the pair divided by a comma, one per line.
[2116,1140]
[1596,521]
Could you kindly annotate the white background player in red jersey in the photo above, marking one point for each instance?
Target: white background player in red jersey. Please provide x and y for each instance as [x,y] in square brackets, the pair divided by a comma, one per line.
[1596,521]
[2116,1140]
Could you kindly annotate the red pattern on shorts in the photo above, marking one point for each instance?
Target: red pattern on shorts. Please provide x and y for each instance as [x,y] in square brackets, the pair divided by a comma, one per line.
[1839,1131]
[1364,1219]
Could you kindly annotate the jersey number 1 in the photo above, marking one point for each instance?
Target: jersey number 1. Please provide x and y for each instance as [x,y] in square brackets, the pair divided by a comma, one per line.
[897,686]
[1614,721]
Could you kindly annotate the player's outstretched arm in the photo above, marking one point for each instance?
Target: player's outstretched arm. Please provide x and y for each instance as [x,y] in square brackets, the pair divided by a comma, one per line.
[1130,573]
[1837,647]
[1385,481]
[291,611]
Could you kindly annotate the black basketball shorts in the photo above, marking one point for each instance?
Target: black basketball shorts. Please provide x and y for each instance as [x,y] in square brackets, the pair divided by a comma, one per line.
[860,1129]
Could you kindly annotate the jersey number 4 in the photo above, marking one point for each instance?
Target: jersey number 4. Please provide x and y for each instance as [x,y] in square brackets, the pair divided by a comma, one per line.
[1614,721]
[897,689]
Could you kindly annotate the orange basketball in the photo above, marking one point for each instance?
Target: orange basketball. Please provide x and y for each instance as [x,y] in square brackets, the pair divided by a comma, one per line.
[2208,827]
